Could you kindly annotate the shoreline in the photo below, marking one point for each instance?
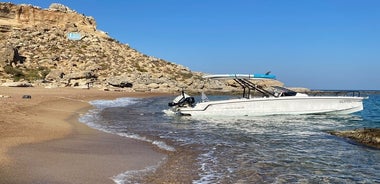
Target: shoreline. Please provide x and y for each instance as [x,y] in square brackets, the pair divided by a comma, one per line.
[43,140]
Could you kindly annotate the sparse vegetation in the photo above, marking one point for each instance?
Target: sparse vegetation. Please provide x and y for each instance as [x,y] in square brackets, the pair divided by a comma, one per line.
[141,69]
[49,49]
[79,51]
[16,73]
[186,75]
[27,74]
[104,66]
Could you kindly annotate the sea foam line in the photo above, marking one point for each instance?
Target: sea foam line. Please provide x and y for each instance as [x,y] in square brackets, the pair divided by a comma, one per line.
[91,117]
[134,175]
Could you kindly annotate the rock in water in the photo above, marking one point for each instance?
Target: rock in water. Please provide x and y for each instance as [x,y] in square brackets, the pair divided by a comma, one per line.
[367,136]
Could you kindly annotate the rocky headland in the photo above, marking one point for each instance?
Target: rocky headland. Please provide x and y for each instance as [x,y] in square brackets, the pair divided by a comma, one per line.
[58,47]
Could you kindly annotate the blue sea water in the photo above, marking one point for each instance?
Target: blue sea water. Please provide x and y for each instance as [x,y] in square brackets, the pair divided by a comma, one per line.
[269,149]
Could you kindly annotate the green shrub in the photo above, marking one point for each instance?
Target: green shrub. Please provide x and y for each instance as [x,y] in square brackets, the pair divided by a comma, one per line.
[140,69]
[186,75]
[15,72]
[32,75]
[37,73]
[28,74]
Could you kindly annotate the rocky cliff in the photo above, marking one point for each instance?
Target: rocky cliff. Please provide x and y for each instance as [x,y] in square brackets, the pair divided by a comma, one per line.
[59,16]
[58,47]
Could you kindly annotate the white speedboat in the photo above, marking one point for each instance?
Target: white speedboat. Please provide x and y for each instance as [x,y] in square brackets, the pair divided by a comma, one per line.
[277,101]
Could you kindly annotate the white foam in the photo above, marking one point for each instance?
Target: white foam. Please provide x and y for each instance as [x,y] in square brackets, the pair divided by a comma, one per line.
[128,176]
[119,102]
[208,174]
[159,144]
[168,112]
[92,117]
[163,145]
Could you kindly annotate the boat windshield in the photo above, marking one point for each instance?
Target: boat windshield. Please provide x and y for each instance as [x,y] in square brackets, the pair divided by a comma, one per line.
[204,98]
[281,91]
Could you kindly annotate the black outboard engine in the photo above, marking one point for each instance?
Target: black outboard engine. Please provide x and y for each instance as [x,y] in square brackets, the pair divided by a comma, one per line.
[182,100]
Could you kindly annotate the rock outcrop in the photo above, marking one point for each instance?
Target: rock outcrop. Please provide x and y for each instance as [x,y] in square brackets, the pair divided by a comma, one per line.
[17,84]
[6,56]
[24,16]
[368,136]
[57,47]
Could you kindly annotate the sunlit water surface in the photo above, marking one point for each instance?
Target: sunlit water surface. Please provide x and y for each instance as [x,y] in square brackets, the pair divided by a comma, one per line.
[270,149]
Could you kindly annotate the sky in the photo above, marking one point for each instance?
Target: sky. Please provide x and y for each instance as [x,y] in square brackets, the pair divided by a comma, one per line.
[317,44]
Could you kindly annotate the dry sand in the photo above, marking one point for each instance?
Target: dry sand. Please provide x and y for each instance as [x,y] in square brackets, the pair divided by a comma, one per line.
[41,140]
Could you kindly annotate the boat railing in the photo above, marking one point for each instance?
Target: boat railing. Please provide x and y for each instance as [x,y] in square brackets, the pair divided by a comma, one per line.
[352,93]
[248,86]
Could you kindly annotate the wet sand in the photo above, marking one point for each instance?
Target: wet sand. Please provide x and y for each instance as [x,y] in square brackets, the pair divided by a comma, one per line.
[41,140]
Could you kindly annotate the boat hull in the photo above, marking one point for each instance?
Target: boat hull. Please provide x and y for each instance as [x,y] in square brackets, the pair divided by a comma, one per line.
[276,106]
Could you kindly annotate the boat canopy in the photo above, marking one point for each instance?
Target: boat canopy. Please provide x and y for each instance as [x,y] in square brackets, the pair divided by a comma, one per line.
[240,76]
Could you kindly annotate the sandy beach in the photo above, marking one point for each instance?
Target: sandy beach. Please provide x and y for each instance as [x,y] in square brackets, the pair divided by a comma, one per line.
[41,140]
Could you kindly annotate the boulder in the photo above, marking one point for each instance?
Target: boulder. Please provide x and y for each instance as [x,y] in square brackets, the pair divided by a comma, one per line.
[17,84]
[5,28]
[9,56]
[80,75]
[6,55]
[119,81]
[59,7]
[153,86]
[55,75]
[367,136]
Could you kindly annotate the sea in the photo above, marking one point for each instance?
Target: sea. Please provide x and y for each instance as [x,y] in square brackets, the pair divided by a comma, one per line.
[268,149]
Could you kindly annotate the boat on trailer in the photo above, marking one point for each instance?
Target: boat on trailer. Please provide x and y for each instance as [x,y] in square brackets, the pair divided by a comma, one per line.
[274,101]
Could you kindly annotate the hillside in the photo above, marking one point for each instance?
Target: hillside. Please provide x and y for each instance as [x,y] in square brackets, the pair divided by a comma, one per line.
[58,47]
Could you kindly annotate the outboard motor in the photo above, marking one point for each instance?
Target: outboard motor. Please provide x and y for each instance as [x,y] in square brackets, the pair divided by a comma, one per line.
[182,100]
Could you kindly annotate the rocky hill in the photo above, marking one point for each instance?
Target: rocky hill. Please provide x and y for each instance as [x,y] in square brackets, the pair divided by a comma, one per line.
[58,47]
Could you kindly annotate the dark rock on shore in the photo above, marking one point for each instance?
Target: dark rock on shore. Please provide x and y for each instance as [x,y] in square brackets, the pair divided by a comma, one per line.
[367,136]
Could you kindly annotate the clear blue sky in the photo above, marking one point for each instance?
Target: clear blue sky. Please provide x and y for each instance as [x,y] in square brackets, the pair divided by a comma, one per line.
[319,44]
